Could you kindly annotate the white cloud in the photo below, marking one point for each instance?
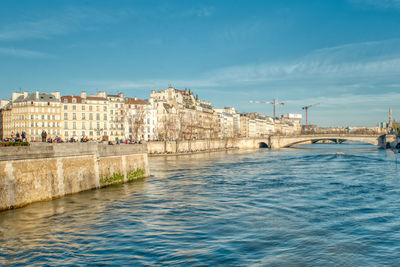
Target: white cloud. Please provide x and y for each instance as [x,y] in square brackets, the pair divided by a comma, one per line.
[150,84]
[22,53]
[361,61]
[59,22]
[200,12]
[382,4]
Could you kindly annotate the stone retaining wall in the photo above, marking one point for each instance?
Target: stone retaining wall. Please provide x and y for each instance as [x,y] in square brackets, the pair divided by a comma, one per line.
[191,146]
[46,171]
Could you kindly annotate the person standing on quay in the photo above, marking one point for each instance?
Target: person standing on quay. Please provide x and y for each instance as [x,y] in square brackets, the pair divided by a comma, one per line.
[44,136]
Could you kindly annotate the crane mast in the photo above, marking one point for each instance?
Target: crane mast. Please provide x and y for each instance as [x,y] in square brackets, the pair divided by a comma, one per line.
[306,109]
[274,102]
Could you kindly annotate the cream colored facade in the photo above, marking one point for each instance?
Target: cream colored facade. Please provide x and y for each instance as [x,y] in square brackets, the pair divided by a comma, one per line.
[256,125]
[141,120]
[181,116]
[85,116]
[117,110]
[32,113]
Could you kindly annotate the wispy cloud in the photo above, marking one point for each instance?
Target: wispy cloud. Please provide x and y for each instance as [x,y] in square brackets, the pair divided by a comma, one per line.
[382,4]
[150,84]
[200,11]
[368,68]
[59,22]
[24,53]
[349,109]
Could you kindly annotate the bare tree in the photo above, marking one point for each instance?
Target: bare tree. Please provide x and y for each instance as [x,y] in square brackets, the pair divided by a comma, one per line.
[136,121]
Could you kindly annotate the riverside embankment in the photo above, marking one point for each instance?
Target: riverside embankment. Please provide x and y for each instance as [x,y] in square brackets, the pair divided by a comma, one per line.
[45,171]
[207,145]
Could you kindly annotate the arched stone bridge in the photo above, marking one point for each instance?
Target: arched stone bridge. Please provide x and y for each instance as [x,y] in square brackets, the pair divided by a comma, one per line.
[287,141]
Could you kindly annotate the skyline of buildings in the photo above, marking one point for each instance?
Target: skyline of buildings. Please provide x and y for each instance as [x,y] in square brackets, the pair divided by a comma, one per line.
[170,114]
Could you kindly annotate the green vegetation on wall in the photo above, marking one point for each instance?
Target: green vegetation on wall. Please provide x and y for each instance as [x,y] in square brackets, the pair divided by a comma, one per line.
[14,144]
[114,179]
[132,175]
[117,178]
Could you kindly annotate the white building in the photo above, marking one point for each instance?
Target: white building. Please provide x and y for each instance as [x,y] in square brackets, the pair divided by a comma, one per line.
[141,120]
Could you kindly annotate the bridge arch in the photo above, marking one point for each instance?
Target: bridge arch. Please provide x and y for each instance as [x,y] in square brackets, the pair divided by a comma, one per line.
[288,141]
[263,145]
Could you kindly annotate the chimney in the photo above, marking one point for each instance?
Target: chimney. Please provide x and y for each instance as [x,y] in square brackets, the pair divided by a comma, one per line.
[102,94]
[56,94]
[25,94]
[83,94]
[15,95]
[37,94]
[135,98]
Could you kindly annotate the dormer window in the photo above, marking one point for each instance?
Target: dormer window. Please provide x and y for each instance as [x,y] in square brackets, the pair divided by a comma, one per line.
[65,100]
[73,100]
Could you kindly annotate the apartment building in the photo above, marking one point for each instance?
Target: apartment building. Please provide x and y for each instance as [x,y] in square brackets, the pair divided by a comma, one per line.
[31,113]
[117,110]
[85,117]
[141,120]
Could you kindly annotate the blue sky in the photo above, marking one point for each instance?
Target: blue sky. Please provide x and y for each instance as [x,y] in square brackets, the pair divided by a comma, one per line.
[343,54]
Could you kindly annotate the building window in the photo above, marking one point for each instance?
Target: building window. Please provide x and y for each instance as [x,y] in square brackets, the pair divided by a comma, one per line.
[105,117]
[98,116]
[90,108]
[90,116]
[83,125]
[65,125]
[74,125]
[65,116]
[65,107]
[105,108]
[83,116]
[83,107]
[74,116]
[74,107]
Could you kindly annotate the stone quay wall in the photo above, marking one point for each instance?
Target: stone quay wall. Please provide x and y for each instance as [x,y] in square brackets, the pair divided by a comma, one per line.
[184,146]
[46,171]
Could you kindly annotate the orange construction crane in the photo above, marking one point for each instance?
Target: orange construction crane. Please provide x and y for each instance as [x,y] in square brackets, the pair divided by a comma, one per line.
[266,102]
[306,109]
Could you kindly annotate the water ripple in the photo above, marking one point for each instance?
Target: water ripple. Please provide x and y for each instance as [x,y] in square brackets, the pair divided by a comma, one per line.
[291,207]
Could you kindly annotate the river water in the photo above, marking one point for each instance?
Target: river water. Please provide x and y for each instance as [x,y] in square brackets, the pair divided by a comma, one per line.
[288,207]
